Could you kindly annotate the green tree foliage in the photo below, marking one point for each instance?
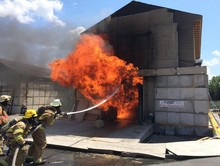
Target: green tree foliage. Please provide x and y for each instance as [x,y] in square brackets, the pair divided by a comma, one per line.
[214,88]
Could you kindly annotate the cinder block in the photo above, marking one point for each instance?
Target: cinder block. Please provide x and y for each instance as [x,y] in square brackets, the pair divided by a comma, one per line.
[201,93]
[187,93]
[166,38]
[184,130]
[188,106]
[161,93]
[160,16]
[165,63]
[187,81]
[132,22]
[99,124]
[173,93]
[173,118]
[170,130]
[187,119]
[161,117]
[159,129]
[201,120]
[201,106]
[203,131]
[161,81]
[173,81]
[201,80]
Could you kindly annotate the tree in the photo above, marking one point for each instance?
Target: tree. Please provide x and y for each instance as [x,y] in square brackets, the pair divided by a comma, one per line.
[214,88]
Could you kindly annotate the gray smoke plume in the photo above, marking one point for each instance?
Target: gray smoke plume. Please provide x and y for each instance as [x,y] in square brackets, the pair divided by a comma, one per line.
[36,45]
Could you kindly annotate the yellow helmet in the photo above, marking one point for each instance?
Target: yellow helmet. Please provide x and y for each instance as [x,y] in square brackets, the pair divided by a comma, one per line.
[30,114]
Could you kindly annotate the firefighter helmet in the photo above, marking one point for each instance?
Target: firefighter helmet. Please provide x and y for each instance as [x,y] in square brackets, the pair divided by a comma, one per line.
[56,103]
[30,114]
[4,98]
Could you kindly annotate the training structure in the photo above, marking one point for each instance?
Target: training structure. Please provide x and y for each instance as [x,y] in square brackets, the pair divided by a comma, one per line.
[165,45]
[31,86]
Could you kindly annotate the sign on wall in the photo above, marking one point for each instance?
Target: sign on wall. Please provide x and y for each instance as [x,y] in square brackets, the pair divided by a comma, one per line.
[172,103]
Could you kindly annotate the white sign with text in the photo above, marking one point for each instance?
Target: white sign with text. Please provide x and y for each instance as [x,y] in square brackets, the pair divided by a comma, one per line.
[171,103]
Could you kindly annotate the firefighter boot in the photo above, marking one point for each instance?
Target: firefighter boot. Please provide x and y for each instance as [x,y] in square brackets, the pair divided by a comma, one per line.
[39,162]
[29,159]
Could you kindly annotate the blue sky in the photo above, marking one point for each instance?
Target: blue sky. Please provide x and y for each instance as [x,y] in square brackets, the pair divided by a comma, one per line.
[76,15]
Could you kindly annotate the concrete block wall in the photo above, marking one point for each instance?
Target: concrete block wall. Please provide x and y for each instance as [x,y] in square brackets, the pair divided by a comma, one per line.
[188,104]
[166,45]
[127,30]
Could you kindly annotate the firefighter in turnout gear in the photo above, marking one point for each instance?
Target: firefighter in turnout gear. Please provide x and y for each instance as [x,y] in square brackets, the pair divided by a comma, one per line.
[4,102]
[46,116]
[15,138]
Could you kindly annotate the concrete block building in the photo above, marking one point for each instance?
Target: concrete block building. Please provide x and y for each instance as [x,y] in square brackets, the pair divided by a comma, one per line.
[165,45]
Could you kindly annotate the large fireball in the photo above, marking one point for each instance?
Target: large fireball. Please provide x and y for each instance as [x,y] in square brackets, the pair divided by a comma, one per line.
[96,72]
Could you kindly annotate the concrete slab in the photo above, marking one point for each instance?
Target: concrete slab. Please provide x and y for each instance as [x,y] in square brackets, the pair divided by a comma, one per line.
[200,148]
[155,150]
[123,137]
[119,136]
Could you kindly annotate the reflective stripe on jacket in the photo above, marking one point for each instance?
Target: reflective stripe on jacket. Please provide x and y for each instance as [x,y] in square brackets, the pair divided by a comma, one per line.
[17,133]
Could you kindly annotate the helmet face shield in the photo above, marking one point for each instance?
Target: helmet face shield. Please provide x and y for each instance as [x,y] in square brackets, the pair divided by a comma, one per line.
[56,103]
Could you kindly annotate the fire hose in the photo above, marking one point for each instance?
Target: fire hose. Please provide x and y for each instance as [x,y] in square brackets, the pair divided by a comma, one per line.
[67,113]
[18,148]
[90,108]
[15,156]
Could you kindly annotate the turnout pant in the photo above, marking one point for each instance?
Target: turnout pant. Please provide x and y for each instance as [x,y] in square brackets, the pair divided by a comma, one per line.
[22,153]
[38,145]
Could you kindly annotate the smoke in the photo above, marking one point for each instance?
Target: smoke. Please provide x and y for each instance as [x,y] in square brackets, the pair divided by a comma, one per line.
[36,45]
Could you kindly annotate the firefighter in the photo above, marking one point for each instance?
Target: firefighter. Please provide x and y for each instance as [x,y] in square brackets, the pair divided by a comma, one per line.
[4,102]
[46,116]
[15,138]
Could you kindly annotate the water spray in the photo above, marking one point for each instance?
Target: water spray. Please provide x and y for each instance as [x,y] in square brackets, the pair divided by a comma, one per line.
[90,108]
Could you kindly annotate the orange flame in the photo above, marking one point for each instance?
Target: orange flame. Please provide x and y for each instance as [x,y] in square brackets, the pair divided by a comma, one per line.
[97,73]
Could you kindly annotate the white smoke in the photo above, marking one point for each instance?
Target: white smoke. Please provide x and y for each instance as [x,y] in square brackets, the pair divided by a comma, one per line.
[36,45]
